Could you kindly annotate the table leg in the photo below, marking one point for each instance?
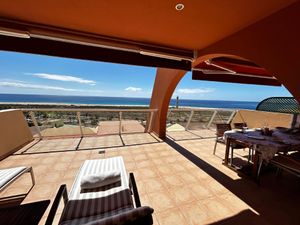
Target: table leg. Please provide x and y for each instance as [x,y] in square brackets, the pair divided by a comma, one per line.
[255,164]
[228,142]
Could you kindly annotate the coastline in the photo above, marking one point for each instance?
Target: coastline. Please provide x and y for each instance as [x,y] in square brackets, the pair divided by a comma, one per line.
[68,104]
[40,101]
[24,105]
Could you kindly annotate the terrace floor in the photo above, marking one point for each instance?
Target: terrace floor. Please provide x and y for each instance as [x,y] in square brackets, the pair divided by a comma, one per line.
[180,178]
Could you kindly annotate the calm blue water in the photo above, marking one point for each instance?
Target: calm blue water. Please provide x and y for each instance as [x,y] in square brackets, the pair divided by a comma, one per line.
[122,101]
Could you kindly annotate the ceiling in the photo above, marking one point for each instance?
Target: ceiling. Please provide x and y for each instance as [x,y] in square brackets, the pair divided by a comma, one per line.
[156,22]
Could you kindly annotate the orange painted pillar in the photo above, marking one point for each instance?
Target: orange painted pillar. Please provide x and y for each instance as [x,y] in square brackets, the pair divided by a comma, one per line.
[165,83]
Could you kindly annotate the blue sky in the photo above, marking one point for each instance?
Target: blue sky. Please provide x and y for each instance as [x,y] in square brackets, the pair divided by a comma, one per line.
[36,74]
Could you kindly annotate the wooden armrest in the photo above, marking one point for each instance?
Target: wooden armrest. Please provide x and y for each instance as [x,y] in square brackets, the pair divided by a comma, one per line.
[134,189]
[61,193]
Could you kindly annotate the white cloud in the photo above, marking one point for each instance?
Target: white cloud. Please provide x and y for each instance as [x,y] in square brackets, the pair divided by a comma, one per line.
[195,90]
[133,89]
[63,78]
[33,86]
[24,85]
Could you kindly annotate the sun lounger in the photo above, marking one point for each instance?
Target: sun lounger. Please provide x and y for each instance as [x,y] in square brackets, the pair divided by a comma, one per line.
[8,176]
[112,204]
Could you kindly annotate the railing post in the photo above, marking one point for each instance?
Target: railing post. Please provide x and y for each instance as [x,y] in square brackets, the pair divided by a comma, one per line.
[169,112]
[31,113]
[150,121]
[189,121]
[231,116]
[79,122]
[120,124]
[212,119]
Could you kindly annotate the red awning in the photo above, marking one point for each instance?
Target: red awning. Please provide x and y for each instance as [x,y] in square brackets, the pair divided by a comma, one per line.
[234,71]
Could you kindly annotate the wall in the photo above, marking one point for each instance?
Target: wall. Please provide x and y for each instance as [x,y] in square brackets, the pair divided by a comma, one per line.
[257,119]
[14,131]
[272,43]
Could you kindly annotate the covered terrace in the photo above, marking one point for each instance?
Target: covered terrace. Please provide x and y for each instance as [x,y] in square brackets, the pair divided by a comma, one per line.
[181,180]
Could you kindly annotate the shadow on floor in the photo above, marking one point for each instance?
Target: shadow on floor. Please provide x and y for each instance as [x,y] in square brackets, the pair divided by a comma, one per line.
[245,217]
[277,200]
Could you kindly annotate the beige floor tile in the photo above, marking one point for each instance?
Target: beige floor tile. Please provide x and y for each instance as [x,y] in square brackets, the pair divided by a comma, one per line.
[154,185]
[182,195]
[201,191]
[161,201]
[182,135]
[146,173]
[172,181]
[188,178]
[216,209]
[171,217]
[135,139]
[164,170]
[195,214]
[41,192]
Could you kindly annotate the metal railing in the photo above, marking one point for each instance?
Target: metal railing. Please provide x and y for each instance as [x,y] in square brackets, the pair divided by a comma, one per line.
[32,114]
[189,118]
[204,117]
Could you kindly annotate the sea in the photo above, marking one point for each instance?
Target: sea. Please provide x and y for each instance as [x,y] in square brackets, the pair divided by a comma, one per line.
[29,98]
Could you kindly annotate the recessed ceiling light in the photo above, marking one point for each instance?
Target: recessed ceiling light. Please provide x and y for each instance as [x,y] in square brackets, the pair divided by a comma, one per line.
[179,7]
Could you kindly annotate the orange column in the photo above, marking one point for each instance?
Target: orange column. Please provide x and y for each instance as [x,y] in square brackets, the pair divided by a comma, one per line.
[165,83]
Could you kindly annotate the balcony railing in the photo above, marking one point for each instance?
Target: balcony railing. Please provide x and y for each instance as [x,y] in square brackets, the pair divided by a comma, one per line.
[85,122]
[199,118]
[45,120]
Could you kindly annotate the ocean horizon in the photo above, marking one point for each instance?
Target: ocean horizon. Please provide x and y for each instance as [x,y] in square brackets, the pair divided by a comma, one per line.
[122,101]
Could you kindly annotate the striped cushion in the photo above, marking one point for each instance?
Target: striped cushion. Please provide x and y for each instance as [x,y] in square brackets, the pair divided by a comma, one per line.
[98,201]
[117,217]
[83,220]
[7,175]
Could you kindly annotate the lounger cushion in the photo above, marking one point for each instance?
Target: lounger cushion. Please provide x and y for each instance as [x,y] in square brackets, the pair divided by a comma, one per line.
[7,175]
[98,166]
[90,207]
[120,217]
[83,220]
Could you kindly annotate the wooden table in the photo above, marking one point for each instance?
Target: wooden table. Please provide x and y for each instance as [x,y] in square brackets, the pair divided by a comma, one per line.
[26,214]
[265,146]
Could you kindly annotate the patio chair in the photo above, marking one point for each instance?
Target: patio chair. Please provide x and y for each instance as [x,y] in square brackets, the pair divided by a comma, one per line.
[9,175]
[287,163]
[112,204]
[239,125]
[221,128]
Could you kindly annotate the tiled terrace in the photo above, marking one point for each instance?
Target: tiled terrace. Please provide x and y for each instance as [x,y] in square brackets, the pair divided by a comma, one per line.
[182,180]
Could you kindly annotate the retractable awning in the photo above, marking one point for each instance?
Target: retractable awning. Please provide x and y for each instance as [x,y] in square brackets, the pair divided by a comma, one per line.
[231,70]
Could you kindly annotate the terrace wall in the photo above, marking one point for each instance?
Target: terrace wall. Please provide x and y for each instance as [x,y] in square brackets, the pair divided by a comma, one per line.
[14,132]
[257,119]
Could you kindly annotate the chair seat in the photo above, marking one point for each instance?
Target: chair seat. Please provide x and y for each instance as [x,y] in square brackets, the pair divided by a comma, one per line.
[286,163]
[233,145]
